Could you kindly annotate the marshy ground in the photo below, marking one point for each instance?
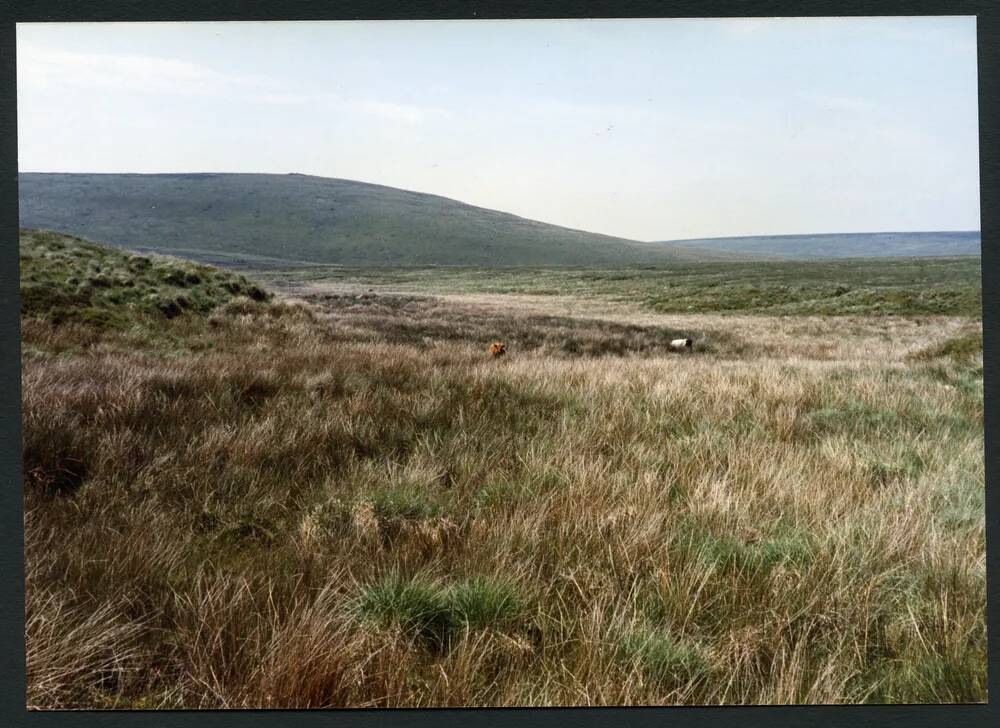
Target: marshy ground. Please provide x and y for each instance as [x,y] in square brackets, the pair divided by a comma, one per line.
[334,497]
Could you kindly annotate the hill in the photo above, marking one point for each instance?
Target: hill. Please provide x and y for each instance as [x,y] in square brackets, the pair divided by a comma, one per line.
[65,279]
[843,245]
[267,219]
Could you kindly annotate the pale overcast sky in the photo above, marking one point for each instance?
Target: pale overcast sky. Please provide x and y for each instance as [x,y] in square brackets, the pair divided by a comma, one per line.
[648,129]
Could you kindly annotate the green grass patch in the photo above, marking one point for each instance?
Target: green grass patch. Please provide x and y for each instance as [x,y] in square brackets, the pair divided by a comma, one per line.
[854,418]
[501,494]
[418,606]
[856,287]
[69,280]
[406,501]
[435,611]
[927,678]
[663,659]
[966,347]
[730,553]
[484,602]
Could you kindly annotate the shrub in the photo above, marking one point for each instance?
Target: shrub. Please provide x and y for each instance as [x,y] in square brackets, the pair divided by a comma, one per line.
[256,293]
[174,277]
[169,308]
[139,262]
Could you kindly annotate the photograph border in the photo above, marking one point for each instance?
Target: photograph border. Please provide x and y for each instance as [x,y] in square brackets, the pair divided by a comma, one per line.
[12,646]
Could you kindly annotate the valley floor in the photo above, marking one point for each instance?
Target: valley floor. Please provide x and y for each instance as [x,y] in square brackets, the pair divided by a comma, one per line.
[337,498]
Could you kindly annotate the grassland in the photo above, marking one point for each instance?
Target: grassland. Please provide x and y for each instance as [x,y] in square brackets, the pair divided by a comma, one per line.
[846,245]
[340,500]
[908,286]
[67,279]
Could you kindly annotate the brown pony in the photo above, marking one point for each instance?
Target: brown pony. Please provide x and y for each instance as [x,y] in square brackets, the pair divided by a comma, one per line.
[498,349]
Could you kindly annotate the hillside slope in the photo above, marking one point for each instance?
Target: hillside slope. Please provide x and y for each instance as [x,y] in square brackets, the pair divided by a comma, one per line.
[255,218]
[844,245]
[66,279]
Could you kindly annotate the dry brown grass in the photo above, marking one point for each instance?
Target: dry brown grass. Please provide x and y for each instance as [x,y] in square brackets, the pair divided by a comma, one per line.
[348,502]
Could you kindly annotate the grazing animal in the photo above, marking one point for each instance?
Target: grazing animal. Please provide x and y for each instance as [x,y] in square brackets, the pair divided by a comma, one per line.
[681,344]
[498,349]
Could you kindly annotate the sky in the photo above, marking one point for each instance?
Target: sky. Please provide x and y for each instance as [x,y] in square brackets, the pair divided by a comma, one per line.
[646,129]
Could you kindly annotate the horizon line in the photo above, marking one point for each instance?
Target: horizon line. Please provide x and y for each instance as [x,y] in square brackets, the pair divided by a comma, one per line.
[513,214]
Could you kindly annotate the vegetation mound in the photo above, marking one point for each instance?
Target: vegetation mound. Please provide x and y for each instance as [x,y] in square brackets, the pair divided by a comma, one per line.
[67,279]
[967,346]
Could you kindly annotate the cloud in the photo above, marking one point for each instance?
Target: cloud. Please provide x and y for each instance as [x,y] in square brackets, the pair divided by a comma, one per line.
[386,110]
[42,68]
[284,98]
[390,111]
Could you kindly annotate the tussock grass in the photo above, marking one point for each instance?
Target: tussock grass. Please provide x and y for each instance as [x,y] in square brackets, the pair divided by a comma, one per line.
[435,611]
[416,605]
[69,280]
[284,504]
[482,602]
[663,660]
[964,347]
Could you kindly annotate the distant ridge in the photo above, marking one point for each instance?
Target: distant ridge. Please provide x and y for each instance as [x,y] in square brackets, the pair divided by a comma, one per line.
[272,218]
[844,245]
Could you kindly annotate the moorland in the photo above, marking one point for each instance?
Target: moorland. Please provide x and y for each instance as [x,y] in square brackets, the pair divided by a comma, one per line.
[313,487]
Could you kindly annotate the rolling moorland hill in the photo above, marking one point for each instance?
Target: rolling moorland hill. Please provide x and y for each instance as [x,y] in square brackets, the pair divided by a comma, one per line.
[270,219]
[843,245]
